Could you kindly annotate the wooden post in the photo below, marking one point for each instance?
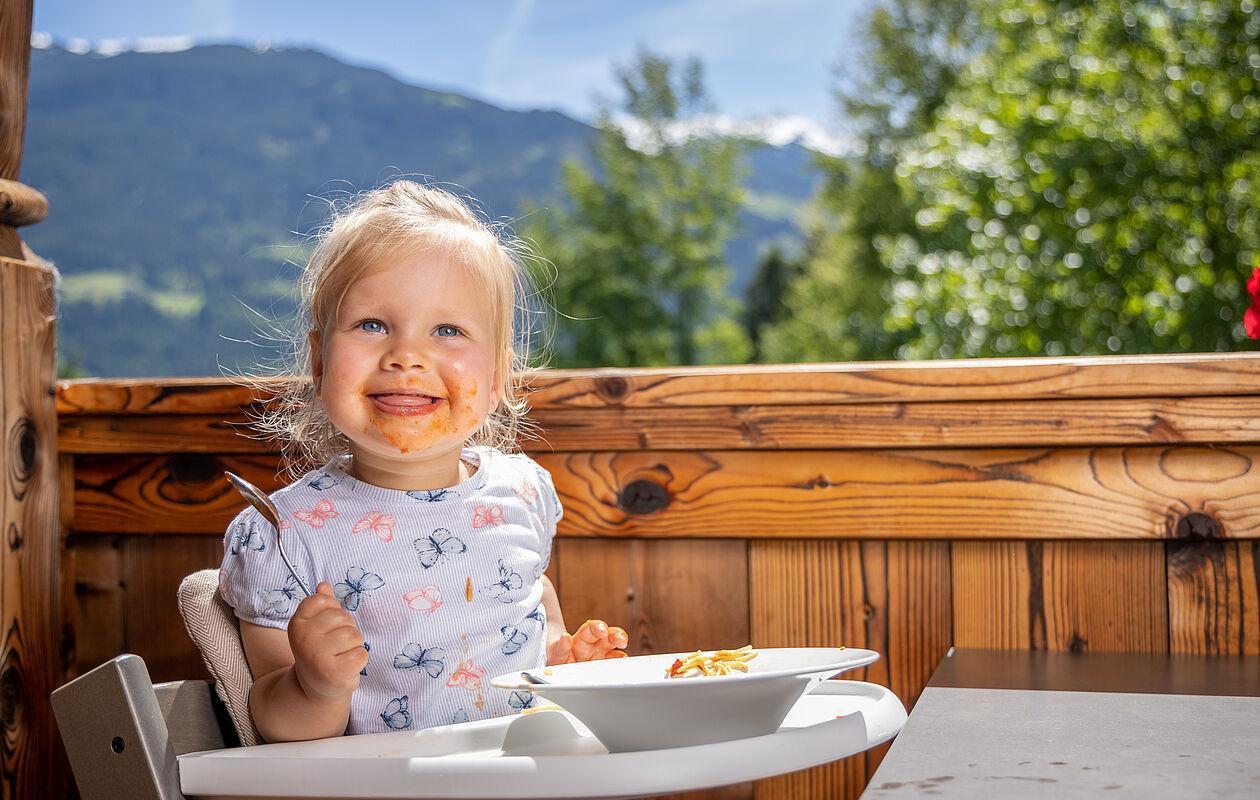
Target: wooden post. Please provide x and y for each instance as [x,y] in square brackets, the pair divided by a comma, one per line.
[30,759]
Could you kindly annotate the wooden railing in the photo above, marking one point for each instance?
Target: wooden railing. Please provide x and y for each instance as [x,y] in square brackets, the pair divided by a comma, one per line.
[1069,504]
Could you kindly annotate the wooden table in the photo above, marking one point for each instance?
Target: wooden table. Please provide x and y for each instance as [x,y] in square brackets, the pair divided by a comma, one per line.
[1035,724]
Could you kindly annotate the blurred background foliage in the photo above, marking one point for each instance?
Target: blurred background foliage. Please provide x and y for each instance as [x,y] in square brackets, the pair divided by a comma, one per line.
[1033,178]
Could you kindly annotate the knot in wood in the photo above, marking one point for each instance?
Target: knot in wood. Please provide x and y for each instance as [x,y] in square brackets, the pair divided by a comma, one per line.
[612,388]
[1197,526]
[193,468]
[15,538]
[23,449]
[642,497]
[11,694]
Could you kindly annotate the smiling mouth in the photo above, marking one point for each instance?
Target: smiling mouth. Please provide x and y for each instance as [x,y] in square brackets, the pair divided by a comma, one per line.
[404,404]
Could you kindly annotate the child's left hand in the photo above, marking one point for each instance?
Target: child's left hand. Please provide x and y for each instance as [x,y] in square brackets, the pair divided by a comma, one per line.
[594,641]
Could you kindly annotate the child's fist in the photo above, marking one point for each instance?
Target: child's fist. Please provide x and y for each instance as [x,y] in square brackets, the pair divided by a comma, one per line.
[327,646]
[594,641]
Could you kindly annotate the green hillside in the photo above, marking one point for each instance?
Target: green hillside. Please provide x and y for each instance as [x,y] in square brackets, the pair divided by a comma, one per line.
[180,184]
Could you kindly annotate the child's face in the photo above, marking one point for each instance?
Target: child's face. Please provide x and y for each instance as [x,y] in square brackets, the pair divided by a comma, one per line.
[406,371]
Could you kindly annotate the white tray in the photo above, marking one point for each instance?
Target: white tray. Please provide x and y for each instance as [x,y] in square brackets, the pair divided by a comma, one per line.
[546,754]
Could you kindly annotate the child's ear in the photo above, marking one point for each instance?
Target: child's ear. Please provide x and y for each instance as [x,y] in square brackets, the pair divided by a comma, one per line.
[317,359]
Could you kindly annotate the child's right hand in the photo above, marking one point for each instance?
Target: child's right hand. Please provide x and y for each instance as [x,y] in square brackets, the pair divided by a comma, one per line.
[328,651]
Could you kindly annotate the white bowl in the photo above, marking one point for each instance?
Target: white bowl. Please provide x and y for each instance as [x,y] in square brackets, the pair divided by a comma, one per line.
[630,705]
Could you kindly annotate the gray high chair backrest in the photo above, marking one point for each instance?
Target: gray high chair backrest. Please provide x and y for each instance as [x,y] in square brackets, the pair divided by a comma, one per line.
[123,734]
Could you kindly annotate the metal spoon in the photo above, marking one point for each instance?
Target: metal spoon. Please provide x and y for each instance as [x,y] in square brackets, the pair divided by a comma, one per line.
[254,496]
[532,678]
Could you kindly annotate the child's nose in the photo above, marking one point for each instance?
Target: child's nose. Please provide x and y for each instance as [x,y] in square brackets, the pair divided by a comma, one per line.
[405,359]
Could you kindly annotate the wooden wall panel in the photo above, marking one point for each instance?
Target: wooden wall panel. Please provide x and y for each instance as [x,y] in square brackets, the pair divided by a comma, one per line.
[892,597]
[1214,597]
[1076,596]
[670,597]
[96,626]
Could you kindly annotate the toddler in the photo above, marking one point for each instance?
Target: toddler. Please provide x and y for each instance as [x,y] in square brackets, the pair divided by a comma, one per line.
[424,537]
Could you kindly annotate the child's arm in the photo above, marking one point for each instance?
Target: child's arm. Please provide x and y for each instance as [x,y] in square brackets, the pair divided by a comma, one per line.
[304,679]
[593,641]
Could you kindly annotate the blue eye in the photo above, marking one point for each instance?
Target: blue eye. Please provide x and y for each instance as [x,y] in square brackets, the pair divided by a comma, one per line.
[442,330]
[372,326]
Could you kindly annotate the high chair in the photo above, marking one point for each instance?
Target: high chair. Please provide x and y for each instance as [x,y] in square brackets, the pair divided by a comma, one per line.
[128,738]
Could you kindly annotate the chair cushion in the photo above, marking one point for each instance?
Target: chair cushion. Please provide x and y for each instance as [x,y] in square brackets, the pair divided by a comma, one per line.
[213,628]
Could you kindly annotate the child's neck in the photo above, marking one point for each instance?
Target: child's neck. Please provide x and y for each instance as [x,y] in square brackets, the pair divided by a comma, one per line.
[440,472]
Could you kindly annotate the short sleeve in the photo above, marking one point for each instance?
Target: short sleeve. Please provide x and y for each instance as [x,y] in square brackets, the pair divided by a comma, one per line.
[254,579]
[552,511]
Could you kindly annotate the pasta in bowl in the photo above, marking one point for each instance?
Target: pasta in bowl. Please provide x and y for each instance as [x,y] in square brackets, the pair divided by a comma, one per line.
[635,704]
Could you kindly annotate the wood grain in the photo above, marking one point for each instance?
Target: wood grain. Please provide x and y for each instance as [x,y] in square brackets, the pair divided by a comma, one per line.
[891,597]
[1096,493]
[1062,423]
[1073,596]
[670,596]
[1214,597]
[1198,374]
[1103,493]
[30,590]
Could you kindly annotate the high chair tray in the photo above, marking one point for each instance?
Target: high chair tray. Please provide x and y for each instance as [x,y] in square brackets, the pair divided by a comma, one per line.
[544,754]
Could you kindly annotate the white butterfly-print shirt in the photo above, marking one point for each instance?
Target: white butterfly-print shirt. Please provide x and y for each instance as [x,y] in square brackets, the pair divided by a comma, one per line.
[443,583]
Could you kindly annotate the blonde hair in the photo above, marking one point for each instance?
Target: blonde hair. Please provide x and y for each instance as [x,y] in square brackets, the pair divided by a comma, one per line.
[396,220]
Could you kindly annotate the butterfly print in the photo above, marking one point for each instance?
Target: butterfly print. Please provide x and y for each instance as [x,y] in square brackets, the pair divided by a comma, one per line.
[430,495]
[485,516]
[522,700]
[459,716]
[380,524]
[538,615]
[246,537]
[468,675]
[396,715]
[527,492]
[317,516]
[368,648]
[324,480]
[508,583]
[435,546]
[414,656]
[279,603]
[515,639]
[428,599]
[357,583]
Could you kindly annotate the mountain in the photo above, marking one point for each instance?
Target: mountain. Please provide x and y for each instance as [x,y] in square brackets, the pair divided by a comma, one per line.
[180,185]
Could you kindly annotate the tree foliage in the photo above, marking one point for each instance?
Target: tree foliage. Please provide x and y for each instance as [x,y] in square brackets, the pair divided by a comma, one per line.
[1076,177]
[638,241]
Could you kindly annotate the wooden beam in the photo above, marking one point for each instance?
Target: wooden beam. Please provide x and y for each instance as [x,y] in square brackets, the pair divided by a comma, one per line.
[1022,423]
[1193,375]
[1073,493]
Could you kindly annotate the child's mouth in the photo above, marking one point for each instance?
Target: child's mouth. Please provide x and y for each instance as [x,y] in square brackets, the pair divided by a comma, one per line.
[405,405]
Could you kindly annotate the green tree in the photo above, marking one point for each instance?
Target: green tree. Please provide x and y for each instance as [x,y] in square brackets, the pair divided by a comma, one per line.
[1091,184]
[638,240]
[764,298]
[910,55]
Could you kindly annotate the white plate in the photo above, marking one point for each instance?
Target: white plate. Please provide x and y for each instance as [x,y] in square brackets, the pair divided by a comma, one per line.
[629,704]
[543,755]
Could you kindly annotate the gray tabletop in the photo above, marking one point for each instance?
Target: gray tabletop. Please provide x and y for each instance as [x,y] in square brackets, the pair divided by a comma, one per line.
[1001,724]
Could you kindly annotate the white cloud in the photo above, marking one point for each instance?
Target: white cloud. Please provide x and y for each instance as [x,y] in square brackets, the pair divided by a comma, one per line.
[777,130]
[78,46]
[164,44]
[41,40]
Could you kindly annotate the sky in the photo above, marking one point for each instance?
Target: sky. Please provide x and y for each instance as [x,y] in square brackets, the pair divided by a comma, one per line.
[772,62]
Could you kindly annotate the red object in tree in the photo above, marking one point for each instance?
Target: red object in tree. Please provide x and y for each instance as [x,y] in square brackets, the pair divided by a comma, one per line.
[1251,320]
